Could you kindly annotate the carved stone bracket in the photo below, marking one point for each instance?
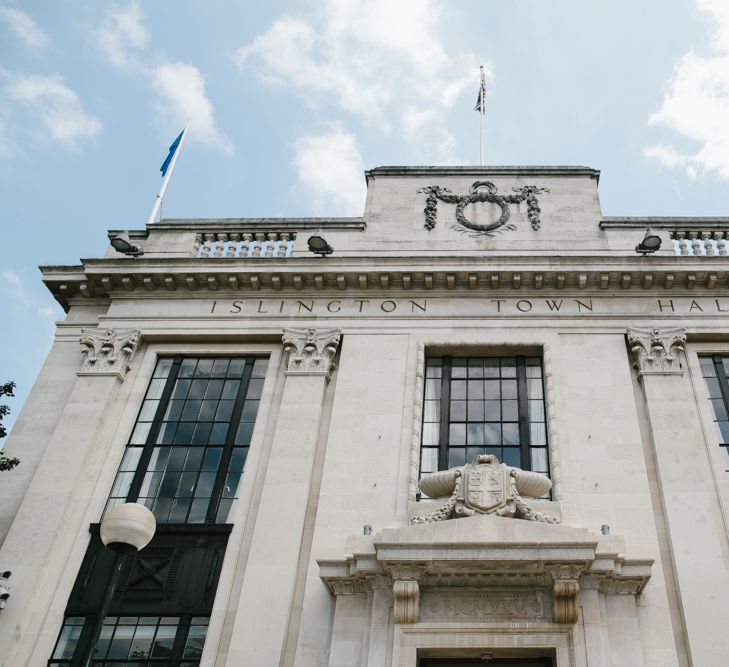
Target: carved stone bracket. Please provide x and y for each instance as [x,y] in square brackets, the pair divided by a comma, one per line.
[565,588]
[108,352]
[311,350]
[406,592]
[656,351]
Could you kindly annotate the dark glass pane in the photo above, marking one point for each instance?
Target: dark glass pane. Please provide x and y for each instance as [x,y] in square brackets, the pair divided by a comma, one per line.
[475,434]
[719,409]
[707,367]
[197,389]
[473,452]
[179,510]
[150,484]
[230,389]
[214,389]
[511,456]
[187,368]
[249,411]
[159,457]
[181,388]
[713,386]
[183,435]
[198,510]
[492,434]
[194,458]
[458,389]
[187,484]
[224,508]
[204,367]
[475,411]
[162,509]
[212,458]
[475,389]
[201,434]
[724,429]
[510,434]
[217,435]
[457,434]
[510,411]
[238,460]
[458,368]
[163,641]
[205,484]
[456,457]
[508,367]
[235,370]
[508,389]
[220,368]
[168,488]
[191,410]
[121,641]
[207,411]
[458,411]
[166,435]
[255,388]
[243,436]
[142,642]
[163,368]
[177,458]
[492,411]
[231,485]
[259,368]
[174,410]
[491,389]
[491,368]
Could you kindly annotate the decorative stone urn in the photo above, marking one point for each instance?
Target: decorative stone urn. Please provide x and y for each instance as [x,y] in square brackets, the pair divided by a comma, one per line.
[485,486]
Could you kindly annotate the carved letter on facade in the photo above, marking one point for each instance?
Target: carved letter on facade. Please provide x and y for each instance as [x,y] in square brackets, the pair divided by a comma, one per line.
[656,351]
[311,350]
[108,352]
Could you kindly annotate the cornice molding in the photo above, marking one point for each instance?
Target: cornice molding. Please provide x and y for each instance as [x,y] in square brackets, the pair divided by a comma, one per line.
[104,279]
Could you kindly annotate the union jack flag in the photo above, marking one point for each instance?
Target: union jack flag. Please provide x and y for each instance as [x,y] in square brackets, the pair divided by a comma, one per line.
[481,99]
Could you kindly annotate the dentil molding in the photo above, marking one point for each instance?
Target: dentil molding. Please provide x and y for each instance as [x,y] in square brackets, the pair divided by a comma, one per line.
[108,352]
[311,351]
[655,351]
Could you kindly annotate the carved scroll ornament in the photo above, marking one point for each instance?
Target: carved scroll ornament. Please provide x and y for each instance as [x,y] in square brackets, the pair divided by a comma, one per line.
[108,352]
[656,350]
[482,191]
[311,350]
[485,486]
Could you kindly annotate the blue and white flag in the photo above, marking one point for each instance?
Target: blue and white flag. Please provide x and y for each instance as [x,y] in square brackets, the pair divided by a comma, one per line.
[171,154]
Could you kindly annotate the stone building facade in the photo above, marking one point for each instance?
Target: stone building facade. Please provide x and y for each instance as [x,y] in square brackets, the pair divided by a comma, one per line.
[277,409]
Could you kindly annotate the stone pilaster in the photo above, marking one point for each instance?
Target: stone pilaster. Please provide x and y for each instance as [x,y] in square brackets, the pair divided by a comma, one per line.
[54,510]
[260,631]
[693,516]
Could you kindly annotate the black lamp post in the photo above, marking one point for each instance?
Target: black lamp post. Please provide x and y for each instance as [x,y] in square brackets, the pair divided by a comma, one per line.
[125,530]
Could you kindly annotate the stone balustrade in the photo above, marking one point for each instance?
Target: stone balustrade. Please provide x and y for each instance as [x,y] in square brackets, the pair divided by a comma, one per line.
[244,244]
[700,244]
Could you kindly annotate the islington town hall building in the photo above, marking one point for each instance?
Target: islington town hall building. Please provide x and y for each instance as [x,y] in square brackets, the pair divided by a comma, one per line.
[481,424]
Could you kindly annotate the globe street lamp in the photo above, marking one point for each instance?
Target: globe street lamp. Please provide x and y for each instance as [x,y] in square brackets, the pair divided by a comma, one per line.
[125,530]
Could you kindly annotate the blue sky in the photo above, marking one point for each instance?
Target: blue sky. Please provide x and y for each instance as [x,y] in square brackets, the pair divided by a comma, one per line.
[292,100]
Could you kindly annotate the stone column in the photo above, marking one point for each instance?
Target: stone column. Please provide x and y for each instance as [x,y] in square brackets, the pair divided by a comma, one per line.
[259,632]
[698,540]
[50,519]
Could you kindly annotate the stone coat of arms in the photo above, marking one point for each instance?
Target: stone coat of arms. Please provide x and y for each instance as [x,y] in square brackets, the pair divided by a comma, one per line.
[485,486]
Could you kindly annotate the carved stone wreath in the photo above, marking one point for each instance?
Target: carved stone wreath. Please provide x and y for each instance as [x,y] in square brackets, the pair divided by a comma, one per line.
[482,191]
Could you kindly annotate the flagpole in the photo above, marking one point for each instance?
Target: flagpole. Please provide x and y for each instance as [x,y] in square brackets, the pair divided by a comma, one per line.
[483,108]
[166,179]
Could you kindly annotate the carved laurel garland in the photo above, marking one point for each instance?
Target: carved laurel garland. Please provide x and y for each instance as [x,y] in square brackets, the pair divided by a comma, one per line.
[417,403]
[482,191]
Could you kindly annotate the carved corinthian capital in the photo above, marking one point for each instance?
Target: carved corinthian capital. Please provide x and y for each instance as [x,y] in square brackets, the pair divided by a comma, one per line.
[108,352]
[311,350]
[656,351]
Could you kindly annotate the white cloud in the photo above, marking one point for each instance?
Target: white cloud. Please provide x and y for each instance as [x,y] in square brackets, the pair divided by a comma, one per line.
[379,60]
[121,34]
[57,106]
[329,168]
[696,104]
[181,87]
[24,27]
[13,279]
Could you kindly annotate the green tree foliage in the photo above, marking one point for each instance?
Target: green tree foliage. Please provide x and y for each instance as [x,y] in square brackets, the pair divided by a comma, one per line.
[6,462]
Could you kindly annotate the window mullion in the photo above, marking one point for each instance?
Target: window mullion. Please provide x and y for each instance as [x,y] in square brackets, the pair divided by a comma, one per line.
[164,400]
[217,490]
[445,413]
[523,408]
[721,377]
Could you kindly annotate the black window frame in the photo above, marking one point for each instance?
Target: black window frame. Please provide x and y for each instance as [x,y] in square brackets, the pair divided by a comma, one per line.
[522,398]
[721,375]
[228,446]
